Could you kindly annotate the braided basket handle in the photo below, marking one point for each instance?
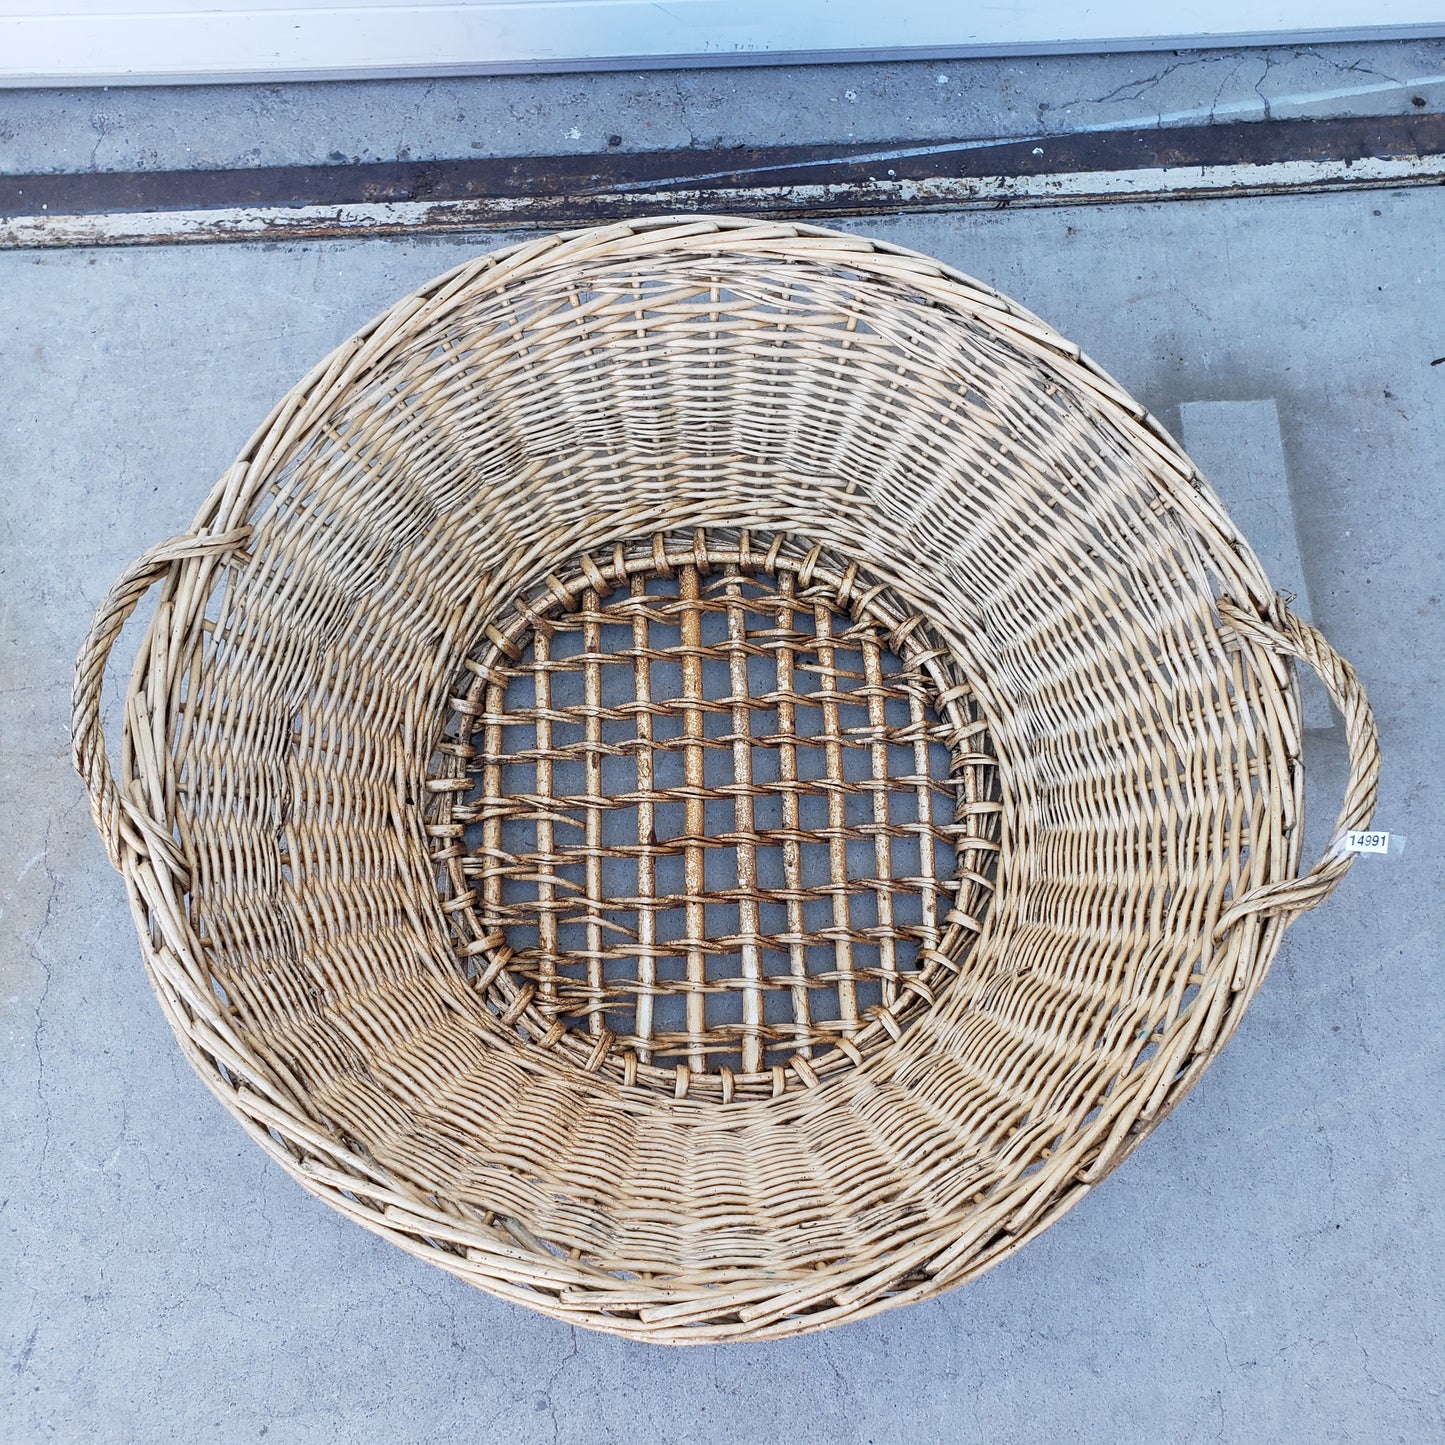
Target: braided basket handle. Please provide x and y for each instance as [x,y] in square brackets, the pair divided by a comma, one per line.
[1287,634]
[87,738]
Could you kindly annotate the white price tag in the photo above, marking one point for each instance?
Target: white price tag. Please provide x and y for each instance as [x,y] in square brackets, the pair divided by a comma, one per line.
[1367,842]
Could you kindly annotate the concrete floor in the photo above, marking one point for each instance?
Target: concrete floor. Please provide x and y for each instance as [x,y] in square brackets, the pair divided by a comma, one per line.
[1268,1267]
[201,126]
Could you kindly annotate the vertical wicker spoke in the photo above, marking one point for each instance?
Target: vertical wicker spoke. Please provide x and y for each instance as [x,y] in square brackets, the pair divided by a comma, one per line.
[837,818]
[927,856]
[743,827]
[694,810]
[492,809]
[546,859]
[882,843]
[646,822]
[788,783]
[592,785]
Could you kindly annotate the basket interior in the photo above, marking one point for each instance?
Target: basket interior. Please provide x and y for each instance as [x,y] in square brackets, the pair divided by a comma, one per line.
[1129,779]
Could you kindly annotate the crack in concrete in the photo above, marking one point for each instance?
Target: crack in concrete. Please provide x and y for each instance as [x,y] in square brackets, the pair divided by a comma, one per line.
[1355,67]
[1214,1325]
[263,1208]
[1138,87]
[552,1379]
[38,957]
[403,151]
[1394,1391]
[679,91]
[1141,87]
[102,127]
[442,1298]
[1269,65]
[1219,93]
[22,1360]
[847,1394]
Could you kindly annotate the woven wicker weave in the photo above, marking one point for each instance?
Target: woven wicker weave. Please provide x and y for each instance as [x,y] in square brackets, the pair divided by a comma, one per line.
[710,778]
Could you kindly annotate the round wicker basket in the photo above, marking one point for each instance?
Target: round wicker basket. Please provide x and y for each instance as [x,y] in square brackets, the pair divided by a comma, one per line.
[710,778]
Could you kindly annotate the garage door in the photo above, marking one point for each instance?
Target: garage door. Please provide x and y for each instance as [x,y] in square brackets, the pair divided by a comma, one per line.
[111,42]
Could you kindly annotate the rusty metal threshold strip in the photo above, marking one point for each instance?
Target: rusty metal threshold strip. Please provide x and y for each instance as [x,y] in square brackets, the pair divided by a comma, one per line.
[810,182]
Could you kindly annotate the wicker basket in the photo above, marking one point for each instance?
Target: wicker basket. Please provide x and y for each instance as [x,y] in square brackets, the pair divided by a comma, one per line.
[709,778]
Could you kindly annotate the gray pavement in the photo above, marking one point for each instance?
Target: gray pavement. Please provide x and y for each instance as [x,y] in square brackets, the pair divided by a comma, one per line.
[1267,1267]
[202,126]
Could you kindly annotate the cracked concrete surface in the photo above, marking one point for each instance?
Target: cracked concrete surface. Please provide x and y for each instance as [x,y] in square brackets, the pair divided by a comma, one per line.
[198,127]
[1267,1267]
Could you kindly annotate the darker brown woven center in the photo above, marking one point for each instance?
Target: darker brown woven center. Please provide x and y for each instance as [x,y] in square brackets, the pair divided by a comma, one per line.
[705,818]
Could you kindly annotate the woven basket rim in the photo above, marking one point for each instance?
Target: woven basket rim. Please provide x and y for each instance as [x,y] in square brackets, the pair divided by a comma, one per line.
[142,818]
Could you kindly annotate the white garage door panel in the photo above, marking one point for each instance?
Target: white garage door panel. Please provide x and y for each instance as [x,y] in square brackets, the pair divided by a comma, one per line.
[103,41]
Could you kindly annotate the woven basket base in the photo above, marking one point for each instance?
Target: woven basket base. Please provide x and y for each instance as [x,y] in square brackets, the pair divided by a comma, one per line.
[705,824]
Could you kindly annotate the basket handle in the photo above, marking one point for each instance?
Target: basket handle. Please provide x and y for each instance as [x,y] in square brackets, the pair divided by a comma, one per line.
[87,738]
[1285,633]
